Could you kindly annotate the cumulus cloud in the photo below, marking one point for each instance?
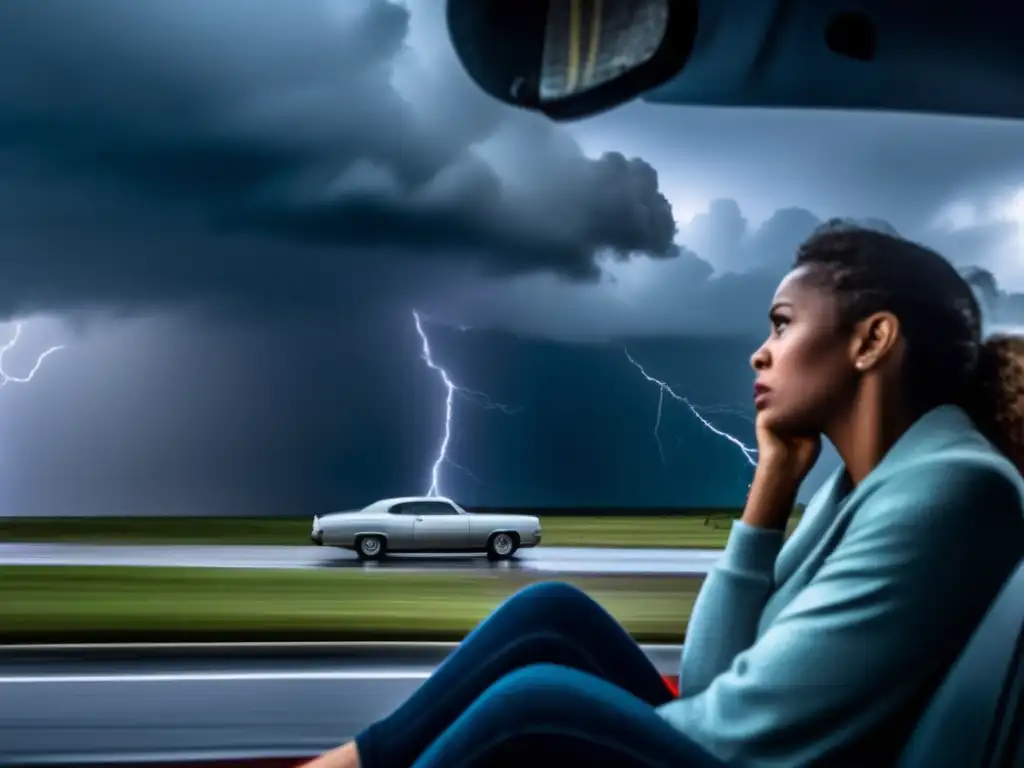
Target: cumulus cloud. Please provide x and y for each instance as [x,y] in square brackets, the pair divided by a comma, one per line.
[720,285]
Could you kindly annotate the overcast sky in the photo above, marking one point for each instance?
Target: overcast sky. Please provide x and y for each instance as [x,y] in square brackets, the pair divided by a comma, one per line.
[227,213]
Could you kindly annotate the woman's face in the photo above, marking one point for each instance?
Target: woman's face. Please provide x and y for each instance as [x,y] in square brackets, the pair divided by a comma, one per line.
[804,369]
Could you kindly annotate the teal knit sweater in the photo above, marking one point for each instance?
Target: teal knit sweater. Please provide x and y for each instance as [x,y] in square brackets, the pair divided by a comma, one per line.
[825,648]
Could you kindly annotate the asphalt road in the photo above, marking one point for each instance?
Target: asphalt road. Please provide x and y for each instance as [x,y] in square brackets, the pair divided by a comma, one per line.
[63,706]
[555,560]
[58,706]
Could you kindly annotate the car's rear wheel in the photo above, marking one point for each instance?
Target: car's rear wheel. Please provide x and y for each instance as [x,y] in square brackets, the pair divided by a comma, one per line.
[371,547]
[502,545]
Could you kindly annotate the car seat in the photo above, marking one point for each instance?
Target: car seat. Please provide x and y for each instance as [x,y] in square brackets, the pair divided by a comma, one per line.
[976,718]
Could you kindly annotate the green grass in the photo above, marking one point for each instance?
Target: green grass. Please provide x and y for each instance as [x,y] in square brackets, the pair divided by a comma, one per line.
[85,604]
[704,531]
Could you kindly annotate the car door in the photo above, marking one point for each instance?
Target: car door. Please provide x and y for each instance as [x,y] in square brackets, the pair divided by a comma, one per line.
[400,522]
[438,526]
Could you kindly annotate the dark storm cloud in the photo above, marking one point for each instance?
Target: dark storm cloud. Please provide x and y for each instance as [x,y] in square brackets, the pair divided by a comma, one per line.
[271,138]
[238,204]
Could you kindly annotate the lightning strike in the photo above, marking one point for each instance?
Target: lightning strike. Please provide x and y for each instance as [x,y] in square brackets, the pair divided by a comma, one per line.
[729,410]
[452,389]
[8,378]
[750,454]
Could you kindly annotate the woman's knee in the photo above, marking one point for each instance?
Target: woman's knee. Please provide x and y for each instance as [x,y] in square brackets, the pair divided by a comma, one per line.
[552,597]
[514,703]
[549,621]
[532,693]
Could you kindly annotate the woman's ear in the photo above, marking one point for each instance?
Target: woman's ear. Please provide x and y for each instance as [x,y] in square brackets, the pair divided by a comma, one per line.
[874,339]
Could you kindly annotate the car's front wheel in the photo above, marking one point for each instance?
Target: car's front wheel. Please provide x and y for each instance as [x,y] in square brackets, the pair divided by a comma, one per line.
[371,547]
[502,545]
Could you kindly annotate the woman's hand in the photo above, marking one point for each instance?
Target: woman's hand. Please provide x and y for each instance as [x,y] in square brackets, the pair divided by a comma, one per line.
[783,462]
[788,458]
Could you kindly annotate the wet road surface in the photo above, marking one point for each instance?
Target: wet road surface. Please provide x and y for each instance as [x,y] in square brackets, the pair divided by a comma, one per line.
[554,560]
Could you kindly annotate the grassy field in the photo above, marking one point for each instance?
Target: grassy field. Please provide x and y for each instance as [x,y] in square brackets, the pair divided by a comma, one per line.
[86,604]
[703,531]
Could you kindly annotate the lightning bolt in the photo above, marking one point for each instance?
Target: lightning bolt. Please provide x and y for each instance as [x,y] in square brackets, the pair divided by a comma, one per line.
[729,410]
[750,454]
[452,389]
[8,378]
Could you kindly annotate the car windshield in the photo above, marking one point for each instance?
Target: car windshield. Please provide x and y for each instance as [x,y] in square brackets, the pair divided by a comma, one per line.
[267,260]
[269,301]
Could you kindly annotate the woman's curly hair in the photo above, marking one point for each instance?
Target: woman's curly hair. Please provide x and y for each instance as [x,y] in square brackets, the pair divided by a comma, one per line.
[940,316]
[997,400]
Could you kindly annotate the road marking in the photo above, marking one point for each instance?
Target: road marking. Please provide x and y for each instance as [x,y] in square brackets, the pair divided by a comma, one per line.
[197,677]
[411,646]
[341,645]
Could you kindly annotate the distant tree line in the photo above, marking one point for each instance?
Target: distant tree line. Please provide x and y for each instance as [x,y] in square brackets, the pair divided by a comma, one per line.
[727,513]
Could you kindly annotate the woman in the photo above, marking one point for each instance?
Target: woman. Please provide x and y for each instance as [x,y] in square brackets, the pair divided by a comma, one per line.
[824,650]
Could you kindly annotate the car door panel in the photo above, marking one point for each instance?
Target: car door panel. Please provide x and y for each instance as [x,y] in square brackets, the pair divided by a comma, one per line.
[400,527]
[439,527]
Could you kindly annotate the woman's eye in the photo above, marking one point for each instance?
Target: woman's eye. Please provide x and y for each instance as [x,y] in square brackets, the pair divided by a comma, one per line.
[779,324]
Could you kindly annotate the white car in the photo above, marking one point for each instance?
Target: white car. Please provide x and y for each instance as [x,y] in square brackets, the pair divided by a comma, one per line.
[424,524]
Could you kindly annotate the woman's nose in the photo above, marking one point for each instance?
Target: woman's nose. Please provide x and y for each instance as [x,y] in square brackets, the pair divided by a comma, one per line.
[760,358]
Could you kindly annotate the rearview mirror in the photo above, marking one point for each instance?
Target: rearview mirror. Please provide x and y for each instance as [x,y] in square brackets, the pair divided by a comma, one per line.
[571,58]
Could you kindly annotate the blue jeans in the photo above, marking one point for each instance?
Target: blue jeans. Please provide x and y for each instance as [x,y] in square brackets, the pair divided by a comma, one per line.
[550,678]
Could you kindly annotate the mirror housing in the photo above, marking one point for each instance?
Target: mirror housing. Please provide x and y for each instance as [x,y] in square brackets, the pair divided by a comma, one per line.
[570,59]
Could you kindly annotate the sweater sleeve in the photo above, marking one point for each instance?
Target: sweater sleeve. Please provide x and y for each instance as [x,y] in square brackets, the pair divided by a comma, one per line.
[727,610]
[887,611]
